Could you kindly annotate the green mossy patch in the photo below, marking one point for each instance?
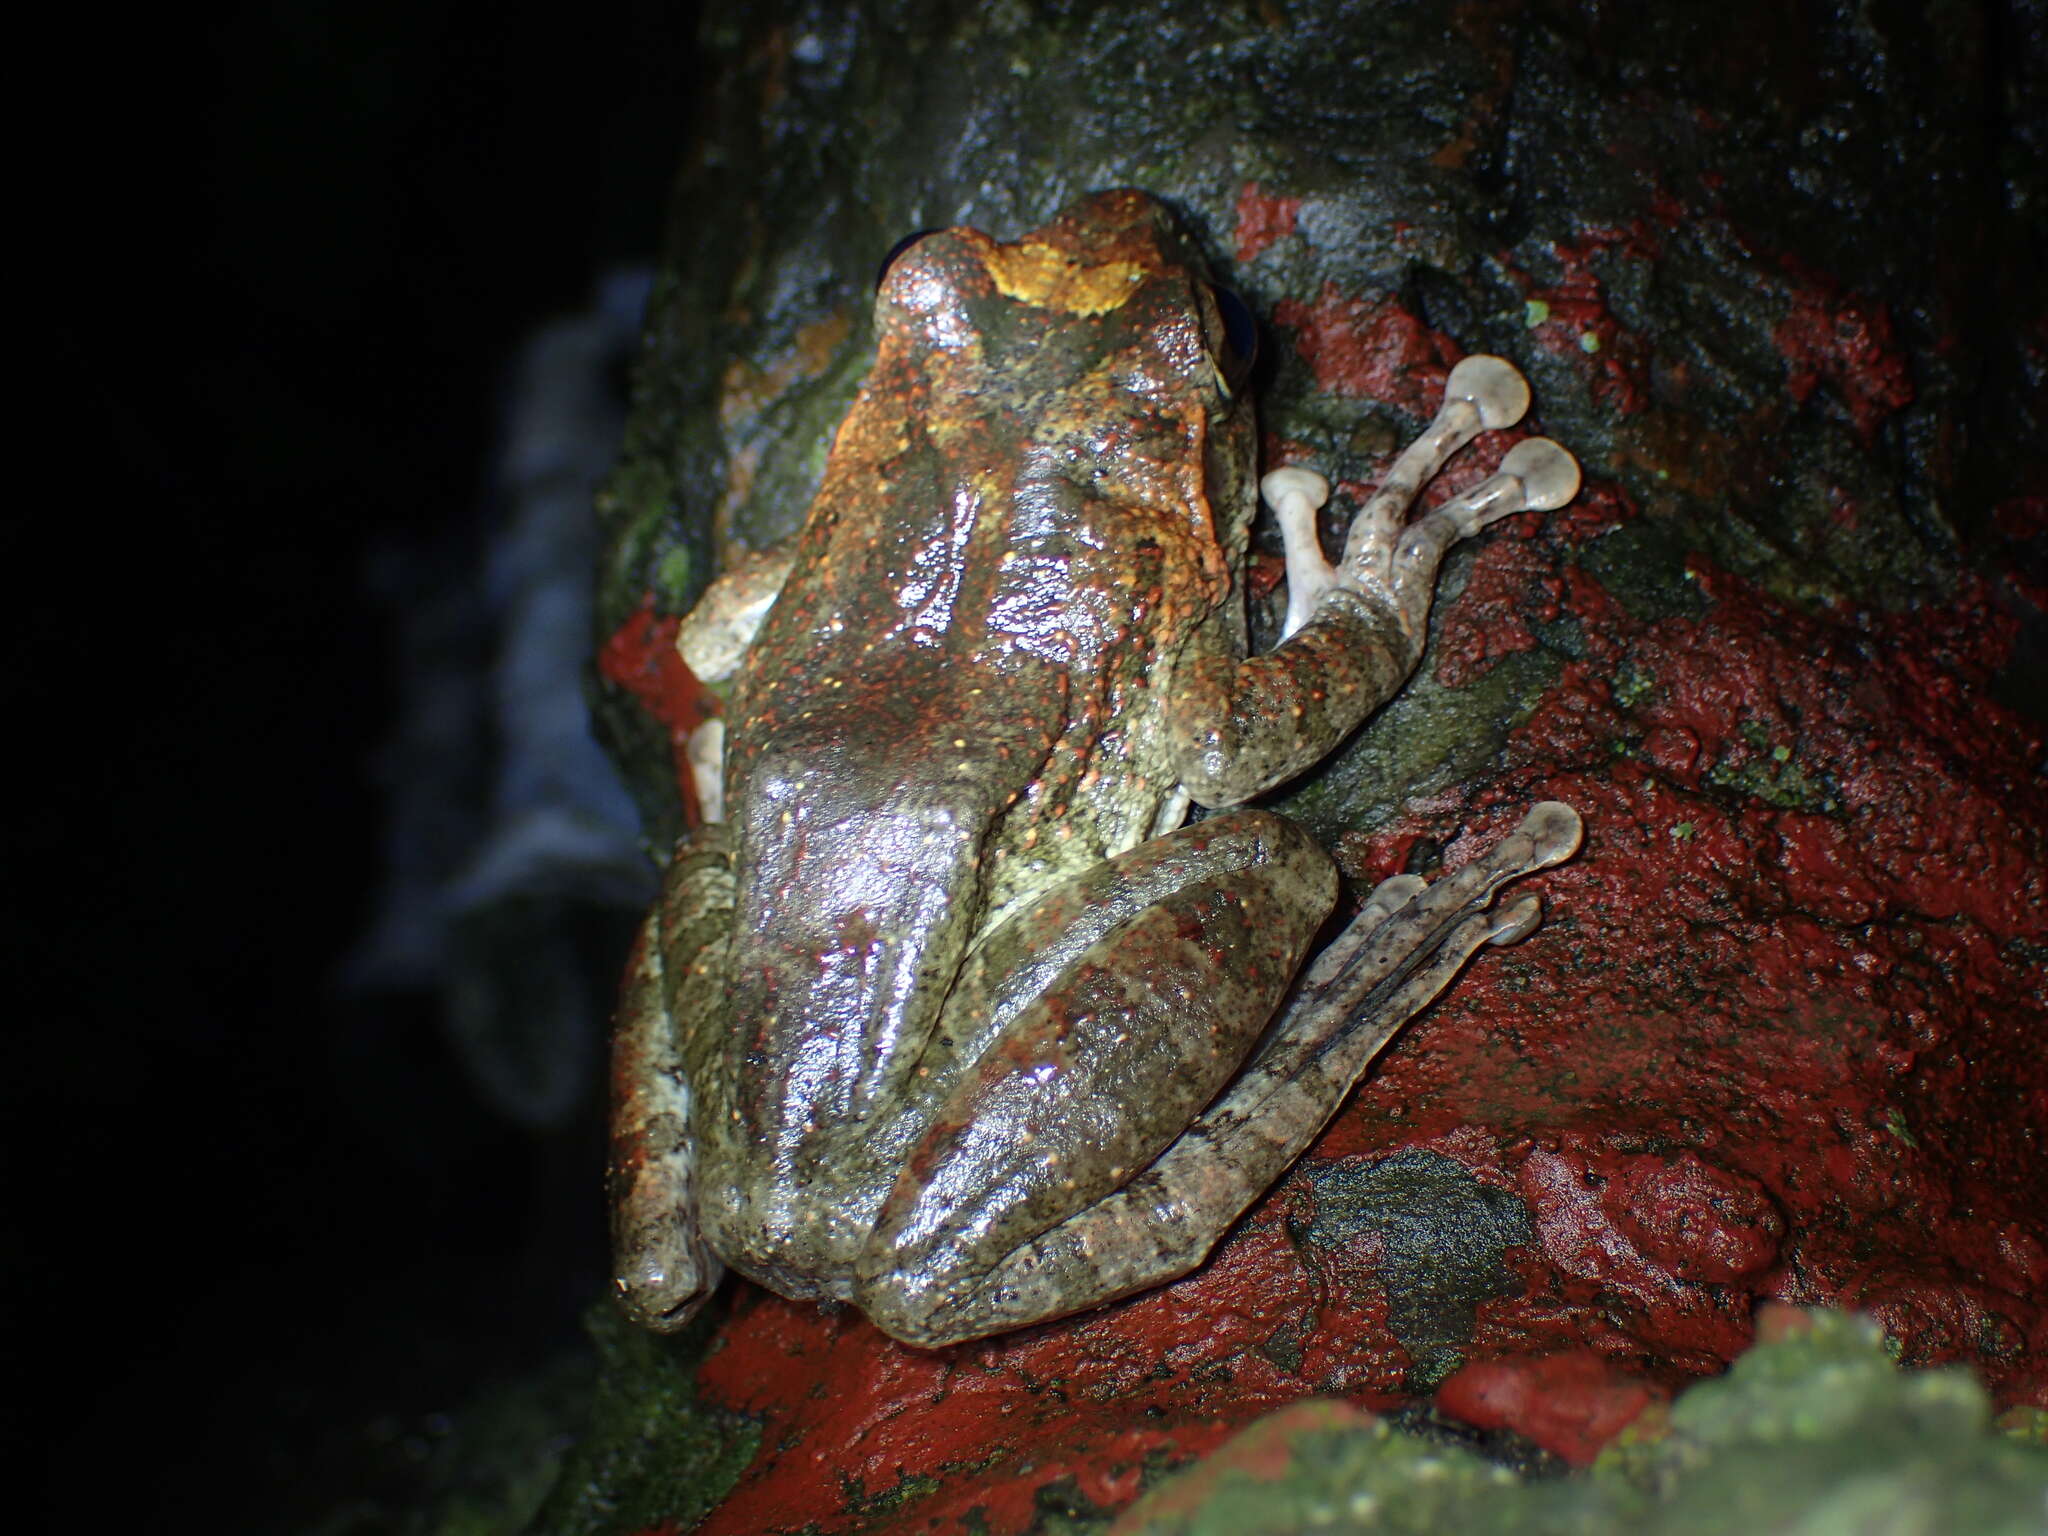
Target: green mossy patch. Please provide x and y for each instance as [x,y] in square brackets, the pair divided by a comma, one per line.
[1815,1430]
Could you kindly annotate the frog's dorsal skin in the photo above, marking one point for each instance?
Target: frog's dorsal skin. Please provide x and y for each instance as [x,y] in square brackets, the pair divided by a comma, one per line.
[1043,491]
[989,588]
[966,1004]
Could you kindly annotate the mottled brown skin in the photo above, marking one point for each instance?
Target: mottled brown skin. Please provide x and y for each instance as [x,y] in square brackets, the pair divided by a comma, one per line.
[970,1012]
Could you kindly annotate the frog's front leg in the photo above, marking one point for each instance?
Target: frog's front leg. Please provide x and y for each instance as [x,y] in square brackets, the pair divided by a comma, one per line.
[1058,1175]
[1355,630]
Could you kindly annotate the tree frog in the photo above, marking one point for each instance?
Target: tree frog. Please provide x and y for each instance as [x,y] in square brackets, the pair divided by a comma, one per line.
[950,1015]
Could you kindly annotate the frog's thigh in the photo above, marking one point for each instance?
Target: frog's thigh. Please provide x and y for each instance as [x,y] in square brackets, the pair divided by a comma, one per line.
[1086,1034]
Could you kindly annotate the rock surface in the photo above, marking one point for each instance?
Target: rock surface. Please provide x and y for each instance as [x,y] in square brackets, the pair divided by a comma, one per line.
[1780,1036]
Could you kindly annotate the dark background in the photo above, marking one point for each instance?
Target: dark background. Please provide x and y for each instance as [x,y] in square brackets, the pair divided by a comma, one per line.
[290,251]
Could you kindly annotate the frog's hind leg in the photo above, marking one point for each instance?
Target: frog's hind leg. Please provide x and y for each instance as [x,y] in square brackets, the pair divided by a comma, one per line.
[1079,1040]
[1397,955]
[663,1266]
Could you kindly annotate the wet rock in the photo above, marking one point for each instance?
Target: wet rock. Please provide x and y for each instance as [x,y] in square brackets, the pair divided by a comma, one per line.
[1779,1036]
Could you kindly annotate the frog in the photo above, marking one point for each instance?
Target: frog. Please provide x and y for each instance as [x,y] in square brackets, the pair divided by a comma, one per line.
[949,1011]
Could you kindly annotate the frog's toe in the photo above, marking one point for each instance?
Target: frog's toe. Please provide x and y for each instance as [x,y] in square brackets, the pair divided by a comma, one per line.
[1547,470]
[1516,921]
[1296,493]
[1535,476]
[1554,831]
[1395,891]
[915,1310]
[1492,386]
[661,1296]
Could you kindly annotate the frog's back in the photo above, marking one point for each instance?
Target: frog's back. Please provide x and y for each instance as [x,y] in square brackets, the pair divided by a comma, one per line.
[954,702]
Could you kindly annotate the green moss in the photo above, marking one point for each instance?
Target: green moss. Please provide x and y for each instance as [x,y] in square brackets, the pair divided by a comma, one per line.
[1775,777]
[2026,1424]
[1428,739]
[1343,1477]
[651,1453]
[1816,1431]
[1631,686]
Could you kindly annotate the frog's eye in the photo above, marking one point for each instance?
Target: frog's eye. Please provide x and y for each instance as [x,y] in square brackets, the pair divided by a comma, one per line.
[888,261]
[1240,338]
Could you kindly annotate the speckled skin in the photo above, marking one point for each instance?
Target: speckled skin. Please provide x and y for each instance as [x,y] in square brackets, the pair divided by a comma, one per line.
[971,1051]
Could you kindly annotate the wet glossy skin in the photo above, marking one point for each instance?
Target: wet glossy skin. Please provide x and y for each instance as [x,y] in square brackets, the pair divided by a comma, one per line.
[934,1023]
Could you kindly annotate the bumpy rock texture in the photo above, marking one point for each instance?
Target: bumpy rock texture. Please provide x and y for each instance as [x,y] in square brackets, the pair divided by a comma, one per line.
[1781,1035]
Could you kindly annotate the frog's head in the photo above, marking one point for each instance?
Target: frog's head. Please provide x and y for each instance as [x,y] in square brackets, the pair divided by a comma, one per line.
[1094,355]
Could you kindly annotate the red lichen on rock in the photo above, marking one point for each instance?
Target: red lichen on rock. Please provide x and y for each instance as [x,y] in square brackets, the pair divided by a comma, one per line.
[853,1421]
[1262,219]
[1372,349]
[640,657]
[1600,507]
[1846,343]
[2022,517]
[1806,934]
[2022,523]
[1512,585]
[1591,1258]
[1698,1220]
[1515,582]
[1569,315]
[1571,1403]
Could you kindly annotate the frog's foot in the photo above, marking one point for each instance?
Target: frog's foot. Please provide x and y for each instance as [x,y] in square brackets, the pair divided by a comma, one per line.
[1397,955]
[663,1266]
[1393,566]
